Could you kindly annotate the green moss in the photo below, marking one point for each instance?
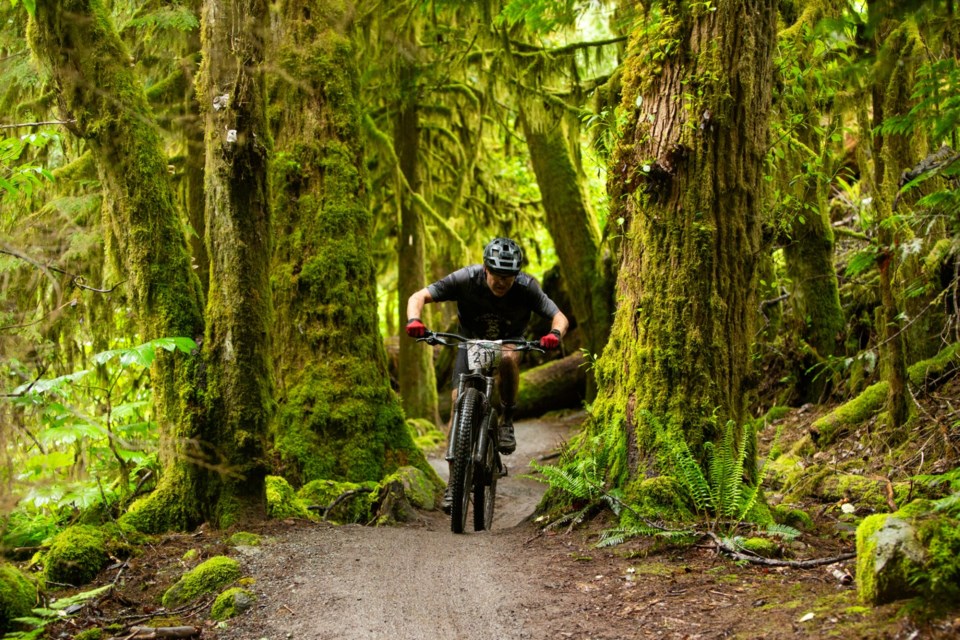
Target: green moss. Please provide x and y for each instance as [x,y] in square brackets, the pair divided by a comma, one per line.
[831,426]
[763,547]
[244,538]
[18,595]
[89,634]
[232,602]
[776,413]
[358,507]
[76,555]
[925,371]
[425,434]
[939,579]
[420,489]
[190,555]
[792,517]
[282,502]
[660,497]
[207,577]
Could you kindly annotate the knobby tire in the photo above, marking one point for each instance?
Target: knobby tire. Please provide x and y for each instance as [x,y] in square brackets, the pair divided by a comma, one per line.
[461,476]
[485,484]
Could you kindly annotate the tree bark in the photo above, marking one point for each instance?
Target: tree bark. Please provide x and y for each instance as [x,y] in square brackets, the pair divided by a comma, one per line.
[570,219]
[338,416]
[237,212]
[892,154]
[686,181]
[96,87]
[418,382]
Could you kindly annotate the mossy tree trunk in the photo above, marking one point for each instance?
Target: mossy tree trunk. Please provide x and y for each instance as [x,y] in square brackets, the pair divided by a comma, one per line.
[338,418]
[817,316]
[418,382]
[98,91]
[687,181]
[237,213]
[570,217]
[899,51]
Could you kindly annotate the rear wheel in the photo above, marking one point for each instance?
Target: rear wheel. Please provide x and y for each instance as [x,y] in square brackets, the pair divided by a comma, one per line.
[461,475]
[485,485]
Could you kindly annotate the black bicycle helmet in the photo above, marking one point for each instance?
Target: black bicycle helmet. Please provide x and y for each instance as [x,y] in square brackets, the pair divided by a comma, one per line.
[503,257]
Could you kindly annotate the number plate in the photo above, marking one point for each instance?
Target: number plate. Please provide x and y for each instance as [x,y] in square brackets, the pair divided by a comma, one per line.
[483,355]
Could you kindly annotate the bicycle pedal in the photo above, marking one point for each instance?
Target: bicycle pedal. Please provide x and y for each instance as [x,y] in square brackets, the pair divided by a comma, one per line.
[502,471]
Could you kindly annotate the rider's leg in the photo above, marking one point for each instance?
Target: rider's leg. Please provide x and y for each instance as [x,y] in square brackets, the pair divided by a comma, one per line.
[509,383]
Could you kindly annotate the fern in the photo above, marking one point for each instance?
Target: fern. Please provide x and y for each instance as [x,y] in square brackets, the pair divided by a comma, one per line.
[722,492]
[783,531]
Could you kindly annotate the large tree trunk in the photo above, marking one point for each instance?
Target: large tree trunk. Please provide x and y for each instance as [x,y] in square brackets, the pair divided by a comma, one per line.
[98,90]
[239,313]
[686,180]
[418,382]
[338,417]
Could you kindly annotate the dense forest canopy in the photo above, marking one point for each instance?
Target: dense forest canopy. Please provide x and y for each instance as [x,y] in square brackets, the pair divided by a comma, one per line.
[212,213]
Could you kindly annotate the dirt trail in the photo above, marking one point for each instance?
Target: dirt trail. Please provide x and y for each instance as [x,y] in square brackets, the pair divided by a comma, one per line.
[418,581]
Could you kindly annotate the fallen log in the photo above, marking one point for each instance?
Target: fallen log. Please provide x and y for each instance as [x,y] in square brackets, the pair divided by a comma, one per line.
[558,384]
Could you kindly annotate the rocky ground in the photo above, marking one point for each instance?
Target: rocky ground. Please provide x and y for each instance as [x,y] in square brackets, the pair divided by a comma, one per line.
[318,581]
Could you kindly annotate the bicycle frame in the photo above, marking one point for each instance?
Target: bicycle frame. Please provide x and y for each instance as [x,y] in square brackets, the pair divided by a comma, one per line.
[473,425]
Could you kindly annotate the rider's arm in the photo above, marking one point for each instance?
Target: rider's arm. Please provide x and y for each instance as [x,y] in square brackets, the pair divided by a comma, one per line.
[416,301]
[560,323]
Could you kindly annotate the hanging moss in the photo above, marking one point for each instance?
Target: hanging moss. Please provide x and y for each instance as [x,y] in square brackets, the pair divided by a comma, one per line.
[18,595]
[215,573]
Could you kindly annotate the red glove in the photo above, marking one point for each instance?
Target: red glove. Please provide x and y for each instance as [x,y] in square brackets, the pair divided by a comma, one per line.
[551,340]
[415,328]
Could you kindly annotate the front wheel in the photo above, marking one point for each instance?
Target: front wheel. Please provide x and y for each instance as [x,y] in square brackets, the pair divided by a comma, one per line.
[461,474]
[485,484]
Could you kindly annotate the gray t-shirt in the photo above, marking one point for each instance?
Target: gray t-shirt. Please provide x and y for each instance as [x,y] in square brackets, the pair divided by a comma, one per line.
[484,315]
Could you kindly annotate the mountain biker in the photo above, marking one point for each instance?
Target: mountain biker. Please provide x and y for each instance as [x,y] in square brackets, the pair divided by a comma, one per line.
[494,302]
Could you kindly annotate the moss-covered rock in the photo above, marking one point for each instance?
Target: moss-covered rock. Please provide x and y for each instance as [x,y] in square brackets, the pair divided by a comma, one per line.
[244,538]
[763,547]
[356,505]
[18,594]
[830,427]
[888,553]
[792,517]
[940,579]
[282,500]
[232,602]
[215,573]
[420,489]
[76,555]
[90,634]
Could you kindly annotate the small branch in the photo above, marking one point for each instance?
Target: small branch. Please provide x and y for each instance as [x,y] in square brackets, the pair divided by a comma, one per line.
[527,49]
[35,124]
[138,633]
[343,496]
[770,562]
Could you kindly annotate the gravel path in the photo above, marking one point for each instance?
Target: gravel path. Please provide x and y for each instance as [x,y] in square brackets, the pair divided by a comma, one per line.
[418,581]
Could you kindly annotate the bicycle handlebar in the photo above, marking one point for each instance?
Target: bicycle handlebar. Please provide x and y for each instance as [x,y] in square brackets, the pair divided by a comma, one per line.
[443,339]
